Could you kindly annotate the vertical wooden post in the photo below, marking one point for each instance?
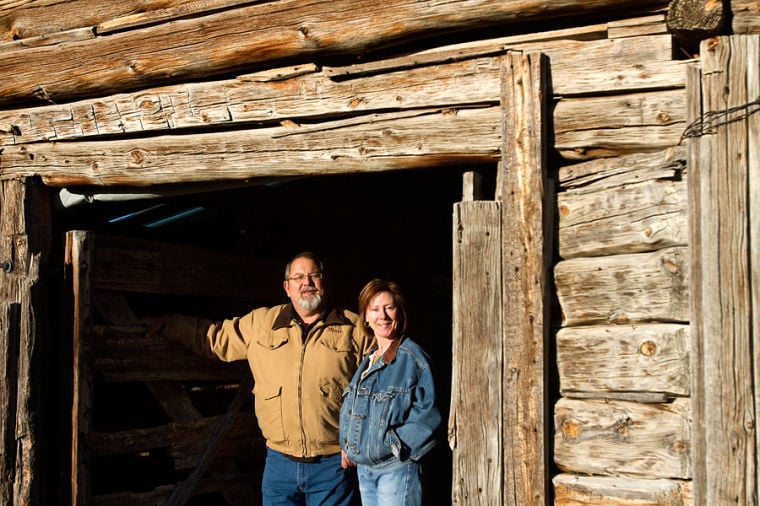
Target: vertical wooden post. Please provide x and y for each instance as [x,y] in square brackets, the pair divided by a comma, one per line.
[526,212]
[25,224]
[475,417]
[724,185]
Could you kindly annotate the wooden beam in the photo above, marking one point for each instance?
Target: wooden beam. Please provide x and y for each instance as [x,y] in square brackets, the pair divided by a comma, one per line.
[25,235]
[250,37]
[380,142]
[526,265]
[725,275]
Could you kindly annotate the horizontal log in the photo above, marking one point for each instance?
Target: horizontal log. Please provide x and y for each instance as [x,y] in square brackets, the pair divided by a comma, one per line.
[603,173]
[29,19]
[125,354]
[417,139]
[616,438]
[586,128]
[604,360]
[633,218]
[297,93]
[135,265]
[253,36]
[186,440]
[627,288]
[603,491]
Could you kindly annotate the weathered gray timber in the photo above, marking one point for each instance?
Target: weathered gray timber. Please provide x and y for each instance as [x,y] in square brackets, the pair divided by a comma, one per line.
[625,288]
[618,438]
[264,35]
[618,491]
[525,195]
[25,238]
[477,347]
[745,17]
[619,361]
[724,156]
[627,204]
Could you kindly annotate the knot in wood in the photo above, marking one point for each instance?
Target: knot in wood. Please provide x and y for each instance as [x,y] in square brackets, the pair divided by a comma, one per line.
[571,429]
[648,348]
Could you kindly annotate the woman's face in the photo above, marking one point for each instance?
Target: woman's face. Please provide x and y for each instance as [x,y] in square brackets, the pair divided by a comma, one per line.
[381,315]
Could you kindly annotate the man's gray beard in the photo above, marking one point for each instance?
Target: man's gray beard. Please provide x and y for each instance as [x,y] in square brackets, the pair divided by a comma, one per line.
[310,303]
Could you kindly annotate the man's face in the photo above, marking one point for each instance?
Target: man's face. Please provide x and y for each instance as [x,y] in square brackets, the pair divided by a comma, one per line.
[304,285]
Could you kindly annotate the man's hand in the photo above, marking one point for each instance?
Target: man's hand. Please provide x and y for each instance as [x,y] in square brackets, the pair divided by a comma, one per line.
[153,325]
[344,462]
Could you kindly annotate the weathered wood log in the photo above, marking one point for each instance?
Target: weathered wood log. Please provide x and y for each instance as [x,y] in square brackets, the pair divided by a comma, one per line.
[603,491]
[22,20]
[616,438]
[254,36]
[596,124]
[606,173]
[691,21]
[186,441]
[415,139]
[295,93]
[624,288]
[603,361]
[137,265]
[633,218]
[126,355]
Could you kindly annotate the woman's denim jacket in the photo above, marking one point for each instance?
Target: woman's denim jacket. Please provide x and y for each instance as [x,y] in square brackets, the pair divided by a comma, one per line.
[389,412]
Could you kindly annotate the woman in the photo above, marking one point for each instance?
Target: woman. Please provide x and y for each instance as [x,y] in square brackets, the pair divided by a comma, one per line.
[389,412]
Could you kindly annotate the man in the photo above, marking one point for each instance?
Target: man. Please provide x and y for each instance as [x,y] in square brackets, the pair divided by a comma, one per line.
[302,355]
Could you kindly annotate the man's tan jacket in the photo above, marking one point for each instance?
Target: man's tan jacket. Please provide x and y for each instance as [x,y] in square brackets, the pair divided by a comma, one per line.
[298,380]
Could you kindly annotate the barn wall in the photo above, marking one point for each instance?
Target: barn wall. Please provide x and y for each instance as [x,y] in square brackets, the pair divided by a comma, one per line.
[147,96]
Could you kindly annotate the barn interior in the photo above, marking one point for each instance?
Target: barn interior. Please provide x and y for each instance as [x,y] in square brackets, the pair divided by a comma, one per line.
[395,225]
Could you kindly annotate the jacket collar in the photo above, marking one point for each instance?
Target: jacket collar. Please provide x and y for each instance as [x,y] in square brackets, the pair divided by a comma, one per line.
[288,314]
[390,353]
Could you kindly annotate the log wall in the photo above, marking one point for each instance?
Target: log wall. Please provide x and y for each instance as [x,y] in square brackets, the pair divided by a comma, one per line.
[132,94]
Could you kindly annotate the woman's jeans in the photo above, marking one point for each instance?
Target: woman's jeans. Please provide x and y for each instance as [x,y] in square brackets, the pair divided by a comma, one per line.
[397,486]
[286,482]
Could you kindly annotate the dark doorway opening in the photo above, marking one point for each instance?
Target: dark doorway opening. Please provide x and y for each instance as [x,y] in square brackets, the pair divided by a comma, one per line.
[396,225]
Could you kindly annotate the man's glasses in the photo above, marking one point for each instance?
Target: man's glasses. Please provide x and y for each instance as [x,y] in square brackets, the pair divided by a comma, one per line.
[300,277]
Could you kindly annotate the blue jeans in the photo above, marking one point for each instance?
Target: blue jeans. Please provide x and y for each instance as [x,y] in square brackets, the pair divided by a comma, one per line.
[398,486]
[324,483]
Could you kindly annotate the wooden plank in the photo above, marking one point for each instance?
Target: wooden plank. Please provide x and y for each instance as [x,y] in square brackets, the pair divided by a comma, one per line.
[380,142]
[25,237]
[605,360]
[186,441]
[79,257]
[698,204]
[9,343]
[255,35]
[628,219]
[653,24]
[137,265]
[624,288]
[616,438]
[603,491]
[526,201]
[125,354]
[727,436]
[476,441]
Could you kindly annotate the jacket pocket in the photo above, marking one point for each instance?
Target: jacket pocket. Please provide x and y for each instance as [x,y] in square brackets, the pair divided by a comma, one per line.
[269,412]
